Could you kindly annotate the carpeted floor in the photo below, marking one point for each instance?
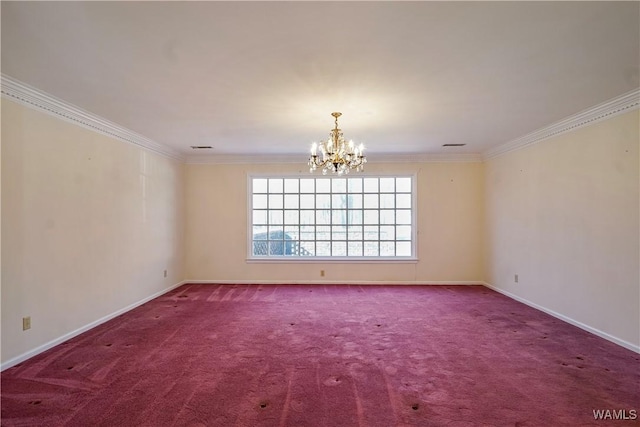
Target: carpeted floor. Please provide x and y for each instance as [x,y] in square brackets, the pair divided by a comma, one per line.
[294,355]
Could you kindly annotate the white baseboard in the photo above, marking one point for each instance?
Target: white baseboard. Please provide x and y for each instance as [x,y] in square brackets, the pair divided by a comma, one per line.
[29,354]
[601,334]
[333,282]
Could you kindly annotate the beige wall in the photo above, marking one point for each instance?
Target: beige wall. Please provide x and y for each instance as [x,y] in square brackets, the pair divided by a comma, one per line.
[89,224]
[563,214]
[450,221]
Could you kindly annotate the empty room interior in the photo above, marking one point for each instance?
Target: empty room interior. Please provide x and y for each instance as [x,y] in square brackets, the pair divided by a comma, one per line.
[320,213]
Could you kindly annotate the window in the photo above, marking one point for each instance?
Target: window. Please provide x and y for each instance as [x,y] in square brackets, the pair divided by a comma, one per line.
[349,218]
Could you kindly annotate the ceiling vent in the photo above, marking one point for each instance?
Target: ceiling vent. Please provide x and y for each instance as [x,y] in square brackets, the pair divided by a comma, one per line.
[453,145]
[202,147]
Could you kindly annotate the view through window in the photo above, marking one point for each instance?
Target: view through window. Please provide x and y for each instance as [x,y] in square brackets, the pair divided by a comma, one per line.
[359,217]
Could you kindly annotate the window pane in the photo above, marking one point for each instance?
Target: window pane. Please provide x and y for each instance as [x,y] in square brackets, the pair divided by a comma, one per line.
[355,232]
[387,232]
[323,232]
[371,185]
[355,201]
[292,231]
[339,201]
[307,232]
[387,201]
[259,185]
[403,185]
[307,217]
[387,248]
[387,185]
[323,185]
[354,249]
[387,216]
[291,217]
[323,249]
[275,185]
[276,217]
[276,247]
[291,185]
[323,201]
[338,232]
[308,248]
[275,232]
[323,216]
[259,201]
[403,249]
[371,232]
[290,247]
[259,217]
[403,216]
[339,185]
[339,216]
[307,201]
[276,201]
[370,200]
[371,216]
[291,201]
[370,248]
[355,185]
[403,232]
[307,185]
[339,248]
[260,248]
[259,233]
[355,217]
[403,200]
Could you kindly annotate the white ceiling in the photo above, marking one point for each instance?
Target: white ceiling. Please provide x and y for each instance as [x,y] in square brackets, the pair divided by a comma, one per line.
[260,78]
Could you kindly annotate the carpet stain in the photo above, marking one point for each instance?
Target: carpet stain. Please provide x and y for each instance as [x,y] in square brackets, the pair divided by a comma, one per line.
[332,381]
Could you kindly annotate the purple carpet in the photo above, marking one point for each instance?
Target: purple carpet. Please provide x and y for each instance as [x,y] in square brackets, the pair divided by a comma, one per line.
[313,355]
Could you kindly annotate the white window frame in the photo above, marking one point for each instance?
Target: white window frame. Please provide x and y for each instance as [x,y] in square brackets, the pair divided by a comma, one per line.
[251,258]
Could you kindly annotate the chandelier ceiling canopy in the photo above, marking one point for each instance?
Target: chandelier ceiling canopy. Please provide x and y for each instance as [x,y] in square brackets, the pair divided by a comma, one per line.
[336,154]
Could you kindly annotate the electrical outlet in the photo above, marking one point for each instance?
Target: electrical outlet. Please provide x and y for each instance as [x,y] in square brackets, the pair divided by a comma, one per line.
[321,273]
[165,273]
[26,323]
[515,278]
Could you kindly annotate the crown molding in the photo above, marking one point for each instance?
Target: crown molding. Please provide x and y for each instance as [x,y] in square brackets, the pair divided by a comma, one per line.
[34,98]
[627,102]
[433,158]
[234,159]
[302,159]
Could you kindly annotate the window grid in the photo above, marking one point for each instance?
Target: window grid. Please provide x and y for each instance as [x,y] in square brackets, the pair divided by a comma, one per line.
[332,217]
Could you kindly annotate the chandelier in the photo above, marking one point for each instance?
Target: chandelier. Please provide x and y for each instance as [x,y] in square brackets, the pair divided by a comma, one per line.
[337,155]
